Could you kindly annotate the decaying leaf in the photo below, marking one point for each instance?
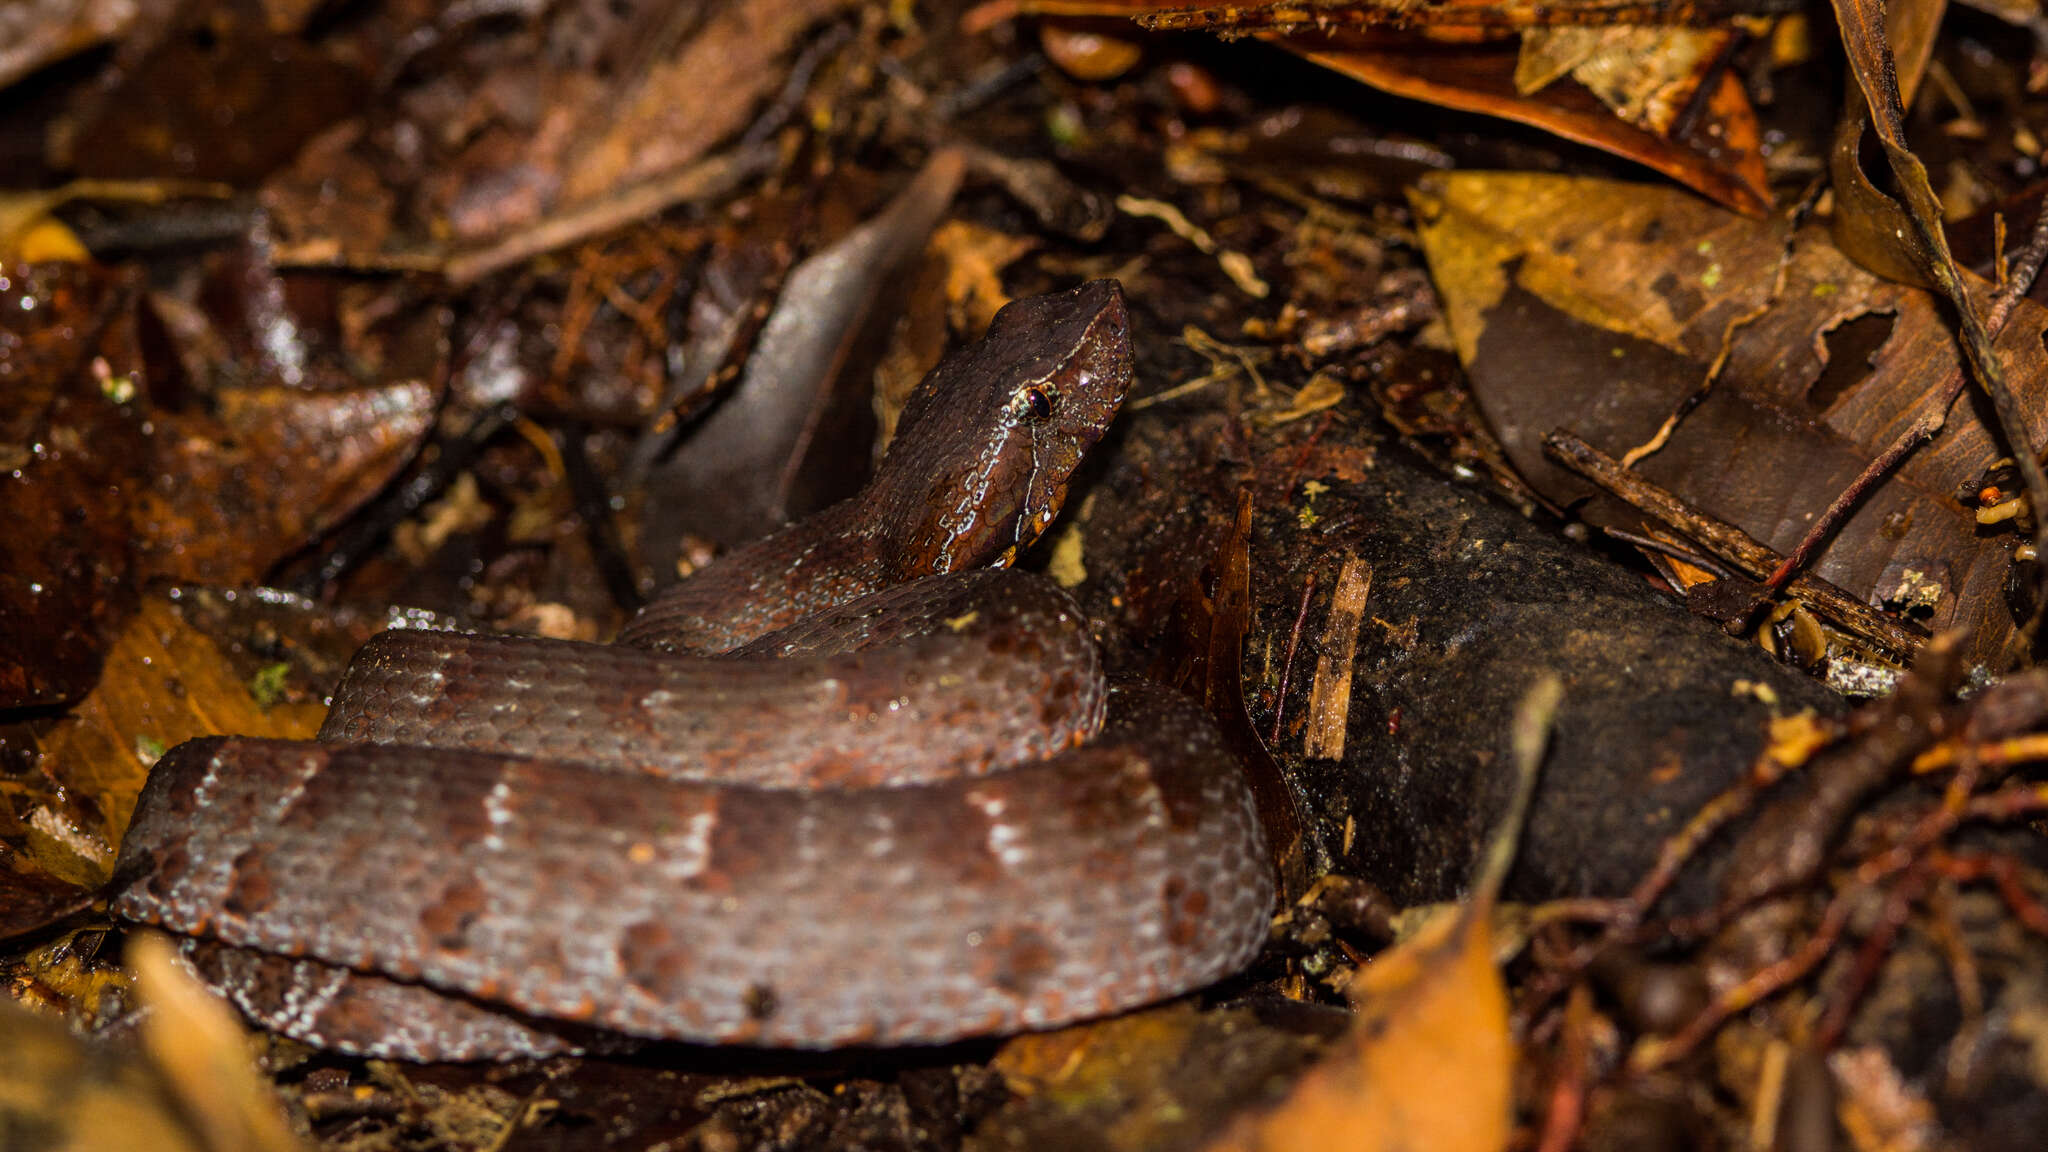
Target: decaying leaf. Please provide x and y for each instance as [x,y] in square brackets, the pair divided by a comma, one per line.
[165,682]
[1660,96]
[1608,309]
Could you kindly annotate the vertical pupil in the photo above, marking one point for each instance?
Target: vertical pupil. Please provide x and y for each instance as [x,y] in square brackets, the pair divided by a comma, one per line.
[1037,403]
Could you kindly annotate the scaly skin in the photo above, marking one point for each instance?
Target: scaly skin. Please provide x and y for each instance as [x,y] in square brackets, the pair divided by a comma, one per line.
[979,467]
[901,819]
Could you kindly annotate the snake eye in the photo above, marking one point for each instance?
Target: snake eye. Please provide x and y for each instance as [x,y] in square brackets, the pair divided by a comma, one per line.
[1036,403]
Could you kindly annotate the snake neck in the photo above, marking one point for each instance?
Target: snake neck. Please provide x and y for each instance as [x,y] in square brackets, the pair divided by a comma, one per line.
[837,555]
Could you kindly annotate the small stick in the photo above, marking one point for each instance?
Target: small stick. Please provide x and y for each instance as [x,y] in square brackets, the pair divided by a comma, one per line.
[1229,20]
[1760,985]
[1682,555]
[2004,872]
[1738,548]
[1877,948]
[367,530]
[1308,591]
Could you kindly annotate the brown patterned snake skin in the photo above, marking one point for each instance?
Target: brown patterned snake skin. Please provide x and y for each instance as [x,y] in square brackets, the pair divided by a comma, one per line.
[900,807]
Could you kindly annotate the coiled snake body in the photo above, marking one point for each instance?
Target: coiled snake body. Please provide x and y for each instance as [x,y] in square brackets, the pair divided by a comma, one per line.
[901,805]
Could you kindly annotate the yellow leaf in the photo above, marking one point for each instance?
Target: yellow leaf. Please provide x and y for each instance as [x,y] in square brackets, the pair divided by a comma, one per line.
[164,682]
[49,241]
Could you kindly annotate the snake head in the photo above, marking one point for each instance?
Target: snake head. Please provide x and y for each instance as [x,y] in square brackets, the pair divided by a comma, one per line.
[990,438]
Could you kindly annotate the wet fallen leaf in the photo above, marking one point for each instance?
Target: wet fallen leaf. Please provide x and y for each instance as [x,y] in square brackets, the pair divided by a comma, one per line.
[165,682]
[268,471]
[757,448]
[1660,96]
[1607,309]
[68,559]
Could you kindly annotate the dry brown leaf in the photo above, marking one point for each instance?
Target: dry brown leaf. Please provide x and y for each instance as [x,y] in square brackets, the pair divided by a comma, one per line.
[1645,75]
[958,288]
[684,103]
[975,256]
[1663,99]
[1599,307]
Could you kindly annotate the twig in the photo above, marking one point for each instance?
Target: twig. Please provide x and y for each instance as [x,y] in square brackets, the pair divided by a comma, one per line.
[1731,544]
[368,530]
[1759,986]
[2005,876]
[701,181]
[2026,266]
[1898,906]
[2020,275]
[1567,1112]
[1310,17]
[1682,555]
[1308,591]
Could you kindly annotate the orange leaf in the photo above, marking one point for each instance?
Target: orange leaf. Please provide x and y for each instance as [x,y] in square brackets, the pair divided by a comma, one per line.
[1429,1062]
[1428,1065]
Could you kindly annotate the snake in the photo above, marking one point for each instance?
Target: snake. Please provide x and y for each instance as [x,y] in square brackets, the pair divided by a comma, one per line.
[859,782]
